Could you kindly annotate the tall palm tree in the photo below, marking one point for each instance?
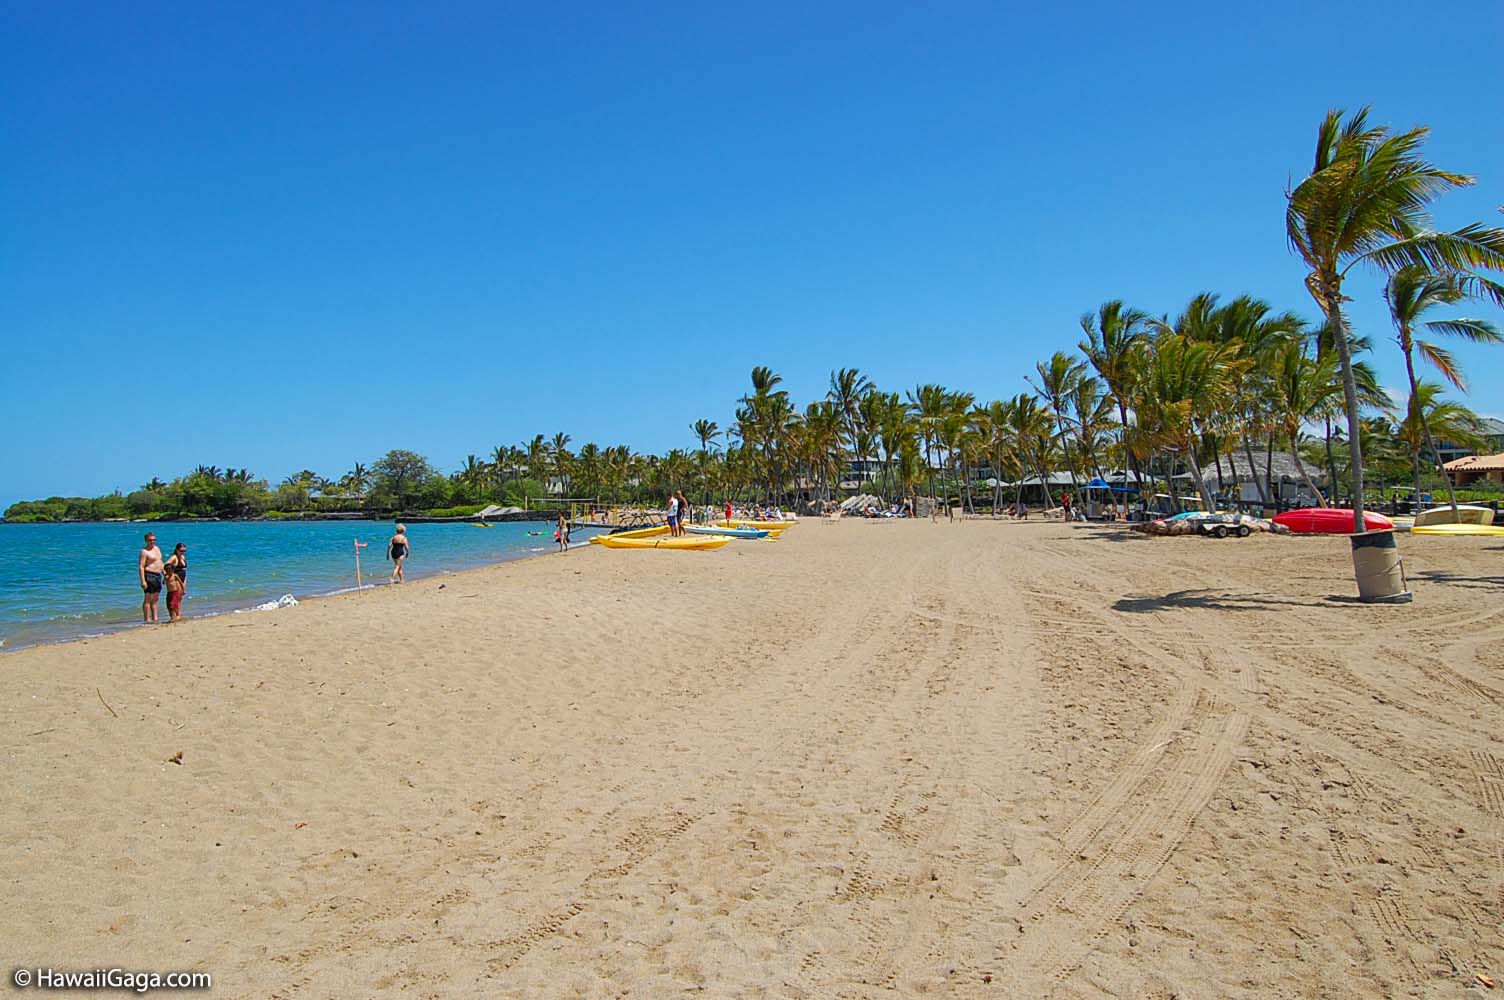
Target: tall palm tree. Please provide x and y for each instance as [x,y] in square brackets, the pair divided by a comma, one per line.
[1058,379]
[1113,336]
[848,387]
[1412,292]
[1364,202]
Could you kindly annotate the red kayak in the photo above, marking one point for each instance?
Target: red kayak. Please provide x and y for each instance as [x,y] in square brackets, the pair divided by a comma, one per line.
[1329,521]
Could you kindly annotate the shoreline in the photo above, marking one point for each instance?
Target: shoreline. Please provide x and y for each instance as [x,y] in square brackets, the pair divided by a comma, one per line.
[127,628]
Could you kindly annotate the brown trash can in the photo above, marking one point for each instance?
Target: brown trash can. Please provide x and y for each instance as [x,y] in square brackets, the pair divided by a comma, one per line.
[1377,565]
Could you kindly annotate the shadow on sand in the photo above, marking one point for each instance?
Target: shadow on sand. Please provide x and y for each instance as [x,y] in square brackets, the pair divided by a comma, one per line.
[1206,600]
[1450,579]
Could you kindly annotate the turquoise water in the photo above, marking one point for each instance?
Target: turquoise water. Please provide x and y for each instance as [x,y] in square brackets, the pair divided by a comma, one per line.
[68,581]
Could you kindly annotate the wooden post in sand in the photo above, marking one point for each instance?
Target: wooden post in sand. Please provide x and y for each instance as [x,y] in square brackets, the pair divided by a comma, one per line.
[358,546]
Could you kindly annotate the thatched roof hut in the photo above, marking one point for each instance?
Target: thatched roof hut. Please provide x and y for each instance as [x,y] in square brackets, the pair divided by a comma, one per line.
[1282,469]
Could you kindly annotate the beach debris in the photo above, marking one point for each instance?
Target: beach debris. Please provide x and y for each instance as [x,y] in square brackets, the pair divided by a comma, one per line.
[1484,981]
[285,601]
[299,826]
[176,758]
[104,703]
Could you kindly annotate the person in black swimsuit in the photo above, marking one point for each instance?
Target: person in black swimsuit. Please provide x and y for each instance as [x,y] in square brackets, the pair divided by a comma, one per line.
[397,550]
[177,581]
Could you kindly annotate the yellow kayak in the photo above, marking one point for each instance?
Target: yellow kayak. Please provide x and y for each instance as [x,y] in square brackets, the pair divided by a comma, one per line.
[1487,530]
[760,525]
[662,529]
[696,543]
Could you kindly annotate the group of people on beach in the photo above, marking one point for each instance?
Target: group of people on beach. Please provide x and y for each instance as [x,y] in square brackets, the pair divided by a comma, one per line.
[156,573]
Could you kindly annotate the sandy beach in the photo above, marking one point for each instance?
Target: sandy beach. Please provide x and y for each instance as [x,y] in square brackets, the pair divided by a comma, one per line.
[867,760]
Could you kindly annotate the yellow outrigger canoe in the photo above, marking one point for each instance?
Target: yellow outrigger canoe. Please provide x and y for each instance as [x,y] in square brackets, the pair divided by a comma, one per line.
[662,529]
[1486,530]
[697,543]
[774,526]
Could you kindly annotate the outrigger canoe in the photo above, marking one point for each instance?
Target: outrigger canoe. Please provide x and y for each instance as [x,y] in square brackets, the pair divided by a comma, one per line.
[700,529]
[774,526]
[1329,521]
[1487,530]
[661,529]
[693,544]
[1465,514]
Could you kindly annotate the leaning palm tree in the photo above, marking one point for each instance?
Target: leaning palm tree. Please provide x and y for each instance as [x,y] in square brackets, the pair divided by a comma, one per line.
[1364,202]
[1411,292]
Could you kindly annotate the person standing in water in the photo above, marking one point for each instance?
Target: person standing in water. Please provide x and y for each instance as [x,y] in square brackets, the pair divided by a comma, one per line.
[177,581]
[149,569]
[397,550]
[561,535]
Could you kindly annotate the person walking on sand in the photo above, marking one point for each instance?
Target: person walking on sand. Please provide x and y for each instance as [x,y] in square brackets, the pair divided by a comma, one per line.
[177,581]
[728,511]
[673,516]
[149,570]
[397,550]
[1065,505]
[561,534]
[686,512]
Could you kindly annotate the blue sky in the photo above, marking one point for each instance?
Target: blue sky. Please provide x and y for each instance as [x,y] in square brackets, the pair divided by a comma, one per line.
[289,235]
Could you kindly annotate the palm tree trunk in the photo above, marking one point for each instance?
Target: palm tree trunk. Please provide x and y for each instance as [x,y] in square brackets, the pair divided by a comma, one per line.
[1253,473]
[1138,478]
[1295,453]
[1195,466]
[1430,441]
[1331,463]
[1269,466]
[1350,401]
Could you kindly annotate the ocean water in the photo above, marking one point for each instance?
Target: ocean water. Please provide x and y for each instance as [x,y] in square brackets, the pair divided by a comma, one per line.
[69,581]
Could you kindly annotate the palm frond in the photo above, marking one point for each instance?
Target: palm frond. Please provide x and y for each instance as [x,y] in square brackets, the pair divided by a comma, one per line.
[1441,359]
[1478,331]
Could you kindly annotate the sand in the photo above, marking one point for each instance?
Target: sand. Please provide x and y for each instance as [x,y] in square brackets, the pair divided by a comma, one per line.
[867,760]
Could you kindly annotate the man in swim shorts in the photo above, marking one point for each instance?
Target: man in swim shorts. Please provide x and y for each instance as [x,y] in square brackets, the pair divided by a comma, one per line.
[149,569]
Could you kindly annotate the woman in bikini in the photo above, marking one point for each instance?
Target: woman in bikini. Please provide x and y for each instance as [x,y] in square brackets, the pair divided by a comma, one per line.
[177,581]
[397,550]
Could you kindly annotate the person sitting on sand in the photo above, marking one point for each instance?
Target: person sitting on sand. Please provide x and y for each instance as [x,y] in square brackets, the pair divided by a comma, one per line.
[177,581]
[149,570]
[397,550]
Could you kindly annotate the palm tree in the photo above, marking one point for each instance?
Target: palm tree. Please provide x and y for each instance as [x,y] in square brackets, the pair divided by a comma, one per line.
[848,387]
[558,453]
[1058,380]
[1303,384]
[1411,292]
[1182,382]
[1364,202]
[1426,413]
[705,431]
[1113,337]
